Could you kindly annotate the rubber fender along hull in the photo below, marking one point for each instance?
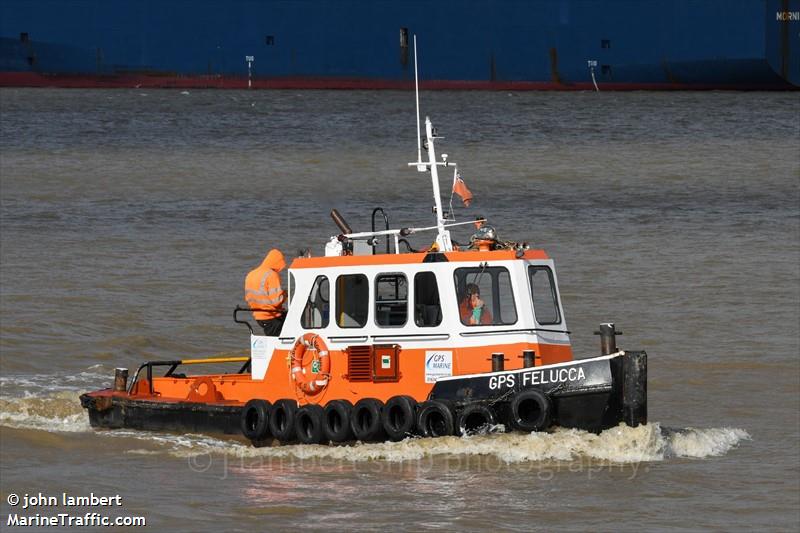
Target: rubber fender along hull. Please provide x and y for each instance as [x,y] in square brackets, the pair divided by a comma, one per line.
[590,394]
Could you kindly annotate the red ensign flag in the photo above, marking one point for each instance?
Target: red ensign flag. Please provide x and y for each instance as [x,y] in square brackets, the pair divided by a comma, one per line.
[460,188]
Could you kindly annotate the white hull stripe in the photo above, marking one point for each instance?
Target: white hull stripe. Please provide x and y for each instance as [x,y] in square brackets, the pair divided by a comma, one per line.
[528,369]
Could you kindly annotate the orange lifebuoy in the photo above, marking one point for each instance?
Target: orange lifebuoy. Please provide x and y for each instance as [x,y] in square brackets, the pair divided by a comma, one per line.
[311,376]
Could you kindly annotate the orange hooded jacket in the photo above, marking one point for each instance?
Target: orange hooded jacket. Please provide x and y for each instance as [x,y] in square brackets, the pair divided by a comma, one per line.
[262,287]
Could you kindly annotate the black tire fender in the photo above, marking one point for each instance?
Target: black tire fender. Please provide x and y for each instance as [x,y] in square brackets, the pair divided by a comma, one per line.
[475,418]
[399,417]
[366,420]
[530,410]
[254,420]
[282,420]
[435,419]
[336,421]
[308,422]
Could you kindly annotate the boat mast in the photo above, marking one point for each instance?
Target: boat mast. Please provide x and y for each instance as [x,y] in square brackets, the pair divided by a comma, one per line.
[443,236]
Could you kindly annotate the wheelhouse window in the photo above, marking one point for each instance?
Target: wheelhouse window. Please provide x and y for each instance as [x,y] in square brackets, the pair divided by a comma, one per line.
[427,307]
[391,300]
[485,296]
[316,313]
[543,294]
[352,300]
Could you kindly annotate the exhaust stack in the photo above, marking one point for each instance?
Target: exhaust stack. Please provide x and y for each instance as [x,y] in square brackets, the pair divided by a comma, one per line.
[344,227]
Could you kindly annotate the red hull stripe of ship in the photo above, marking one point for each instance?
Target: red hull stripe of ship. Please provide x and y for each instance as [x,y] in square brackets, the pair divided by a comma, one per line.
[30,79]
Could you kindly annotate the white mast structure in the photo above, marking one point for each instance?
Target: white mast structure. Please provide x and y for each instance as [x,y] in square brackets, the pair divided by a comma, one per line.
[443,235]
[443,241]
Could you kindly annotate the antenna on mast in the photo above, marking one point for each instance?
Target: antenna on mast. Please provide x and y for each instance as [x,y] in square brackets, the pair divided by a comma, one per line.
[443,241]
[420,167]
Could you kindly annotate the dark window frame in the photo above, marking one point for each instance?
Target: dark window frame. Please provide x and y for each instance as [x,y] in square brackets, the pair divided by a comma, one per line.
[337,300]
[554,293]
[495,293]
[420,323]
[376,281]
[325,322]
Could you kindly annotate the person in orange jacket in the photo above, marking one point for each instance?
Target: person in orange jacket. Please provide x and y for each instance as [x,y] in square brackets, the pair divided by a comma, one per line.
[472,308]
[264,295]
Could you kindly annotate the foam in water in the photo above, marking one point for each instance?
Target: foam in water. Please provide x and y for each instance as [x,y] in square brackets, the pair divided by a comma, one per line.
[59,411]
[691,442]
[30,407]
[620,444]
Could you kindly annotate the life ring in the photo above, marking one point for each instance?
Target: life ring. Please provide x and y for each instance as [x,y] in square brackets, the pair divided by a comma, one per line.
[310,377]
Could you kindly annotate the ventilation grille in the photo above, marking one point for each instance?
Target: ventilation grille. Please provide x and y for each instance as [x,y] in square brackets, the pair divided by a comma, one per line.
[359,363]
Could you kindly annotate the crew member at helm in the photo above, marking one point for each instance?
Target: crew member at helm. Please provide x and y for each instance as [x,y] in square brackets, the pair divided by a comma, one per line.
[264,295]
[472,308]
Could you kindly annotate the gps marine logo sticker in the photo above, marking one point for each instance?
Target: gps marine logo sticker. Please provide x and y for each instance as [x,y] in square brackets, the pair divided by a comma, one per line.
[438,364]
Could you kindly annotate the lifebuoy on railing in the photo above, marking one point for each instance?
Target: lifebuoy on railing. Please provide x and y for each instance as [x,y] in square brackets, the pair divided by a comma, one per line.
[310,364]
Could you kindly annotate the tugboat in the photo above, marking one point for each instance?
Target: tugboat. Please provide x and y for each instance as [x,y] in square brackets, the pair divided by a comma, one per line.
[386,343]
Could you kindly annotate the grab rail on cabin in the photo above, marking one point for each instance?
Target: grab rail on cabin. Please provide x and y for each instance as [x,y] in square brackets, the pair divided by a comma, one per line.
[173,365]
[245,322]
[386,223]
[512,331]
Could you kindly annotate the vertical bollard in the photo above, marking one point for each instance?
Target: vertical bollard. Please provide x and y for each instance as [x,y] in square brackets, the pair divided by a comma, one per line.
[608,338]
[498,360]
[528,358]
[120,380]
[634,388]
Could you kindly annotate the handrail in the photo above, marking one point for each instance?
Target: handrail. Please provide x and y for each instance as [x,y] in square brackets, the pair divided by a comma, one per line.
[502,331]
[386,223]
[173,364]
[245,322]
[237,359]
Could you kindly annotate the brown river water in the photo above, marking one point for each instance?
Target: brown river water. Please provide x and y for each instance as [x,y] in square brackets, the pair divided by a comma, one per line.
[130,217]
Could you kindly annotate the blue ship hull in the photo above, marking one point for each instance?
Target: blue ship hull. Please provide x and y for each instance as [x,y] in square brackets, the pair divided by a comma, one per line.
[522,44]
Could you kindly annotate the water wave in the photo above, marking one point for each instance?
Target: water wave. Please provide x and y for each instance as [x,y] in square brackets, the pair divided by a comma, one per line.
[60,411]
[621,444]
